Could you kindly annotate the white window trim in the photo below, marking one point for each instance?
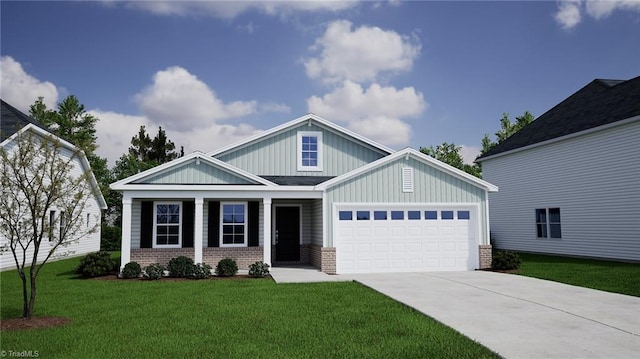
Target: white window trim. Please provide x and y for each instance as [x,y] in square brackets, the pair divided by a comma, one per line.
[222,224]
[318,135]
[155,226]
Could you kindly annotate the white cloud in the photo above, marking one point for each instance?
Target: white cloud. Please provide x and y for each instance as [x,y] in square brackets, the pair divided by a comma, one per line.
[231,9]
[376,112]
[20,89]
[469,153]
[569,12]
[360,55]
[180,101]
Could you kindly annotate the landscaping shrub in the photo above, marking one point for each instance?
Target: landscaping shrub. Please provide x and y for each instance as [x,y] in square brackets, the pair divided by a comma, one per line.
[258,269]
[180,267]
[226,268]
[153,271]
[131,270]
[96,264]
[201,271]
[505,260]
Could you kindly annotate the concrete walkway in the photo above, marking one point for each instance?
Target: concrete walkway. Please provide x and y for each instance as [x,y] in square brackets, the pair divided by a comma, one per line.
[303,274]
[521,317]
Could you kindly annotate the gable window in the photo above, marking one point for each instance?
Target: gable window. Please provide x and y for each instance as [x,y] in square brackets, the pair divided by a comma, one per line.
[167,229]
[234,224]
[309,151]
[548,223]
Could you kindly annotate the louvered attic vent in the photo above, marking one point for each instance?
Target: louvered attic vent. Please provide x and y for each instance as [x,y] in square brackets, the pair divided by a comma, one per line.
[407,179]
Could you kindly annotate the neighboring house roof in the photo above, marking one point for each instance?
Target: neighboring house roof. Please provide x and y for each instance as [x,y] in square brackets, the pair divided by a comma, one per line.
[130,182]
[601,102]
[410,152]
[297,180]
[12,120]
[298,121]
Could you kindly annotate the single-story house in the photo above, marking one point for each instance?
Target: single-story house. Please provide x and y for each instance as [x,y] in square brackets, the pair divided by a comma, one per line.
[308,192]
[13,123]
[570,180]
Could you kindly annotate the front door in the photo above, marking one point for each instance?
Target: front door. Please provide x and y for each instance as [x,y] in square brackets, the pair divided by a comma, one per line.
[287,234]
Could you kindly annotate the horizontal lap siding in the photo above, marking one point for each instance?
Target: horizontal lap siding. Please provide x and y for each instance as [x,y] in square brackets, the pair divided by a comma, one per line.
[277,155]
[595,181]
[316,222]
[384,185]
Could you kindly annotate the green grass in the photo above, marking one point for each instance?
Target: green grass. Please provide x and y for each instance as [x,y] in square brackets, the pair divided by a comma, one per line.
[608,276]
[223,319]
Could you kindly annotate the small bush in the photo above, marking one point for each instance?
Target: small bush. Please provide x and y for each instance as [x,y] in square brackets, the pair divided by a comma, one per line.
[96,264]
[153,271]
[131,270]
[226,268]
[201,271]
[258,269]
[180,267]
[505,260]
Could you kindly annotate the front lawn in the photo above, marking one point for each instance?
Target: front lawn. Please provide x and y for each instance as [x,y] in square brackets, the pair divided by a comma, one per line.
[608,276]
[222,319]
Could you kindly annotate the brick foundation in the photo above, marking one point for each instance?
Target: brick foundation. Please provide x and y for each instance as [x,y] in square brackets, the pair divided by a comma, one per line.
[244,256]
[146,256]
[485,256]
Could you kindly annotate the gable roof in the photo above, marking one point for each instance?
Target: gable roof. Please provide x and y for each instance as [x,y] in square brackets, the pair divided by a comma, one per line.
[131,181]
[308,118]
[12,120]
[601,102]
[417,155]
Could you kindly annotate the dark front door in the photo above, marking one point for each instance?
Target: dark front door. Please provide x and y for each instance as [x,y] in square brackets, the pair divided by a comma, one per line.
[287,234]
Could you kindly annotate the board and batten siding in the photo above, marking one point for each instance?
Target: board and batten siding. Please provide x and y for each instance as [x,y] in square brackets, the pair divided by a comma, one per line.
[595,181]
[277,155]
[88,244]
[384,185]
[193,172]
[316,222]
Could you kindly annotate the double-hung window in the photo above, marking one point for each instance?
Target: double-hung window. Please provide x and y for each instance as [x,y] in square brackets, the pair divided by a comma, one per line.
[167,224]
[548,223]
[234,224]
[309,151]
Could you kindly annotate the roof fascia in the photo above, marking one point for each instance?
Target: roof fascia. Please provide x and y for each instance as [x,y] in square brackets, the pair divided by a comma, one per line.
[298,121]
[563,138]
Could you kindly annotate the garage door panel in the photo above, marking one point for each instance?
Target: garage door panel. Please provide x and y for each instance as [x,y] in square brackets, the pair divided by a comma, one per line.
[380,245]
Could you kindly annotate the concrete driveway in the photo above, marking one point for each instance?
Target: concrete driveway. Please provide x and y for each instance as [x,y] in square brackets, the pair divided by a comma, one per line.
[520,317]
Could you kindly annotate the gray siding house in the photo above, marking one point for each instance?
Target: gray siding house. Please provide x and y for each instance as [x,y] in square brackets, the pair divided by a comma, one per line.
[570,181]
[308,192]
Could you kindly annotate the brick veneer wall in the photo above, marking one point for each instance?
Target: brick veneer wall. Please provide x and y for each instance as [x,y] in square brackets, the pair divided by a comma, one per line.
[146,256]
[244,256]
[315,255]
[328,260]
[485,256]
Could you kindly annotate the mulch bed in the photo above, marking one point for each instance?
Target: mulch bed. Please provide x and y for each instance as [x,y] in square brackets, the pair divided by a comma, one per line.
[170,279]
[33,323]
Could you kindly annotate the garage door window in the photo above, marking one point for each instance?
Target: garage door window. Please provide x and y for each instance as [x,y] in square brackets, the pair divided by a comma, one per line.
[345,215]
[430,214]
[397,215]
[413,214]
[447,214]
[380,215]
[463,215]
[363,215]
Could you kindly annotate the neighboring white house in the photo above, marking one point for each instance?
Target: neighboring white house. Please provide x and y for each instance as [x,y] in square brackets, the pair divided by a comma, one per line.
[570,180]
[308,192]
[12,123]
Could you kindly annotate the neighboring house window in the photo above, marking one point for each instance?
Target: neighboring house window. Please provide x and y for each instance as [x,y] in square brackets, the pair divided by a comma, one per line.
[548,223]
[52,224]
[88,219]
[63,223]
[234,224]
[167,224]
[309,151]
[407,179]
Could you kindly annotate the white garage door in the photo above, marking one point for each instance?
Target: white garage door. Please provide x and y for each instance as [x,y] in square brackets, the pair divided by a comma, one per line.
[376,239]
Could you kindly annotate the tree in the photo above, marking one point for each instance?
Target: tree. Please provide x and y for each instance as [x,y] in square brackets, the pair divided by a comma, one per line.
[37,176]
[449,153]
[507,129]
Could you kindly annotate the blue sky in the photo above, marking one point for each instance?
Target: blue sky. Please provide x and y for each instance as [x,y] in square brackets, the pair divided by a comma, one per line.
[402,73]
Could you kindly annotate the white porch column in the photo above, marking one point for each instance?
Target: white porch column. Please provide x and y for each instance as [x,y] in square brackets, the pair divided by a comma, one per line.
[266,209]
[126,232]
[197,233]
